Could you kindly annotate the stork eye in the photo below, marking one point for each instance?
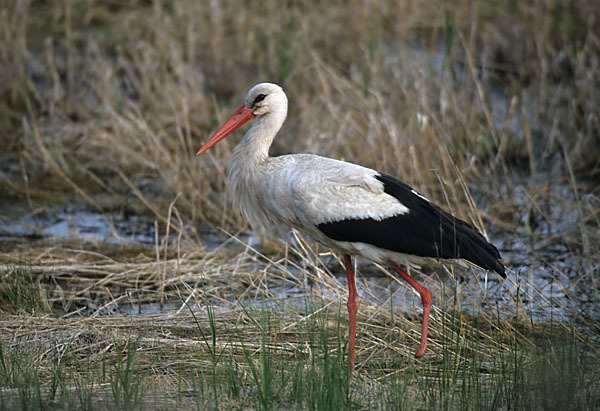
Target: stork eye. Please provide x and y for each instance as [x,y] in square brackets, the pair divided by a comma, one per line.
[258,99]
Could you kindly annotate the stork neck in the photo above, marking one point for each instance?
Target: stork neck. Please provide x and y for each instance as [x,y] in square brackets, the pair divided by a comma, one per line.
[255,145]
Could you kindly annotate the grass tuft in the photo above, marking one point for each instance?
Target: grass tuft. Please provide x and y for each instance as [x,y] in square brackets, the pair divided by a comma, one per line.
[487,108]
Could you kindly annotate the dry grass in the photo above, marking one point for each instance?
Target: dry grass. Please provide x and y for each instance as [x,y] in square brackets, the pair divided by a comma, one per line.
[94,90]
[490,108]
[224,293]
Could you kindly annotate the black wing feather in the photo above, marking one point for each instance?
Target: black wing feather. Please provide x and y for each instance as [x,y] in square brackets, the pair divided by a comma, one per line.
[425,231]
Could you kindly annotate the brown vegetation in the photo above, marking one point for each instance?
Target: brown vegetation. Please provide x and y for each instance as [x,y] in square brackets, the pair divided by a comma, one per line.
[490,108]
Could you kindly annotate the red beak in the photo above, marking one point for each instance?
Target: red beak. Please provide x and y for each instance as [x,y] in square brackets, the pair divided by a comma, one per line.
[235,121]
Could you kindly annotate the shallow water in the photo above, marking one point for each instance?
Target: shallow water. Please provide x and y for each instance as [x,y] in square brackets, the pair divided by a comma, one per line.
[544,271]
[74,222]
[79,222]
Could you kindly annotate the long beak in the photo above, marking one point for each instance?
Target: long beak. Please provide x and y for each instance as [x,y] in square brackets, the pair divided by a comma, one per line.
[235,121]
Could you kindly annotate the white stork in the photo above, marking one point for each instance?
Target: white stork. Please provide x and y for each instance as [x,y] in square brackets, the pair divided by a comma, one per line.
[351,209]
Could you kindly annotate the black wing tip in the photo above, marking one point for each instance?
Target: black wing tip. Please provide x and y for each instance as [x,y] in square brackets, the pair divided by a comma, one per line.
[500,269]
[490,256]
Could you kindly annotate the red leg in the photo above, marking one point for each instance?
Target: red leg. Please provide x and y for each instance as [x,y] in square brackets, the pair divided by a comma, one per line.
[426,301]
[352,308]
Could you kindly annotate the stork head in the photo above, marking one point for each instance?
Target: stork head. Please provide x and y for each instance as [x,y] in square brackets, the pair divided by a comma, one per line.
[265,98]
[261,100]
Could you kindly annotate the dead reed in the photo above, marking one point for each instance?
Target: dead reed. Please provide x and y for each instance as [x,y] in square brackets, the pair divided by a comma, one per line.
[490,108]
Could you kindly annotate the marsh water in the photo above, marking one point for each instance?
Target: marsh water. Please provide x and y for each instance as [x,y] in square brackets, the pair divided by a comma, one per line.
[546,272]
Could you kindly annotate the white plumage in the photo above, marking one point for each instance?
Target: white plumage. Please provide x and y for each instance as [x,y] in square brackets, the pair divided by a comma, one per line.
[352,209]
[299,190]
[303,190]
